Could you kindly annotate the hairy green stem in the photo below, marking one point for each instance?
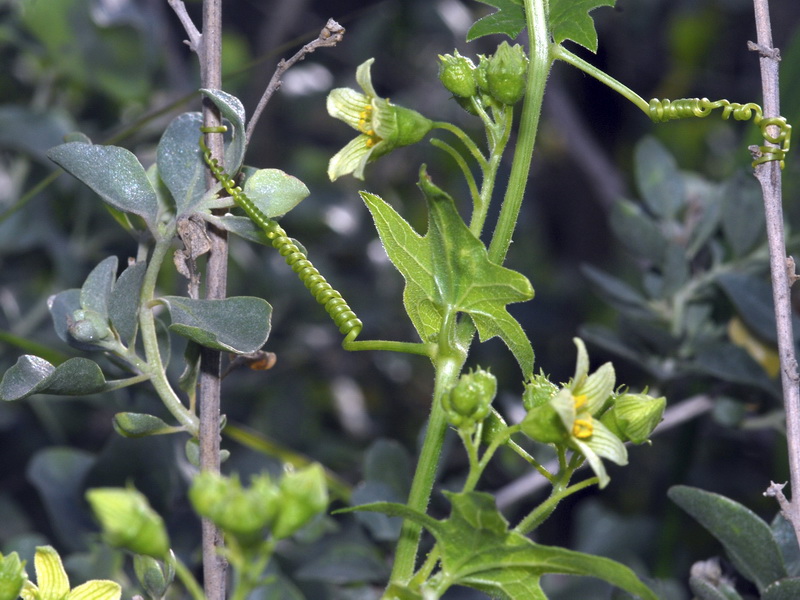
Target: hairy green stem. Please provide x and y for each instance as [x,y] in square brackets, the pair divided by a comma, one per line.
[538,515]
[448,366]
[499,139]
[155,364]
[538,69]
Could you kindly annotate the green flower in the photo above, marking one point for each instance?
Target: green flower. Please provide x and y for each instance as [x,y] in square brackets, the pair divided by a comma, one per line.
[52,582]
[383,125]
[571,416]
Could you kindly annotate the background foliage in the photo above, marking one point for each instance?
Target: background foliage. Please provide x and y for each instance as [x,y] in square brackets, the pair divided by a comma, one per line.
[117,71]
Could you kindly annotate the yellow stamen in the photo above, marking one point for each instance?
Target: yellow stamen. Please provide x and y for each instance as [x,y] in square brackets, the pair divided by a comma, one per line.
[583,428]
[580,401]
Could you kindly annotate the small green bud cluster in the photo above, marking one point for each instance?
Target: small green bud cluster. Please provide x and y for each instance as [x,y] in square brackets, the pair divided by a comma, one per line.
[283,507]
[128,521]
[470,400]
[500,78]
[91,328]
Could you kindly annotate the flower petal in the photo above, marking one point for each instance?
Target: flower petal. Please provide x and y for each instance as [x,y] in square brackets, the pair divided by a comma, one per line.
[364,77]
[349,106]
[597,387]
[51,578]
[581,365]
[351,159]
[29,591]
[594,462]
[606,444]
[96,589]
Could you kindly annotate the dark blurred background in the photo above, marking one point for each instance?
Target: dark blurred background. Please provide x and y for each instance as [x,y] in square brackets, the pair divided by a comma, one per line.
[118,70]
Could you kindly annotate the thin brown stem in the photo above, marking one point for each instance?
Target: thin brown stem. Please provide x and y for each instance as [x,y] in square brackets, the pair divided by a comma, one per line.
[330,35]
[769,176]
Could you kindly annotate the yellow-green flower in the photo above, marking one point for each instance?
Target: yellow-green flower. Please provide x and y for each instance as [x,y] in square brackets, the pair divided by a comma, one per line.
[571,416]
[383,126]
[52,582]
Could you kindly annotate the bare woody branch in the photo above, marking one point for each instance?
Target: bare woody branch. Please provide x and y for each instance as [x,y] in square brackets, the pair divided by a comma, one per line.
[330,35]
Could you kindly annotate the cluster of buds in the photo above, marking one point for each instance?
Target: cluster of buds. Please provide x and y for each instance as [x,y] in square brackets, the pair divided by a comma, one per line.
[498,79]
[282,507]
[470,400]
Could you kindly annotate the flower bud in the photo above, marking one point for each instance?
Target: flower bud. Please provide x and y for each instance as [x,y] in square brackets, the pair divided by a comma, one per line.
[538,392]
[456,73]
[470,400]
[634,416]
[303,495]
[241,512]
[506,73]
[12,576]
[154,576]
[90,327]
[128,521]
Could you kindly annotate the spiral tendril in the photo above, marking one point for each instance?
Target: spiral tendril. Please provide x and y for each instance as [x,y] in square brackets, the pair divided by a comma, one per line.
[661,111]
[336,307]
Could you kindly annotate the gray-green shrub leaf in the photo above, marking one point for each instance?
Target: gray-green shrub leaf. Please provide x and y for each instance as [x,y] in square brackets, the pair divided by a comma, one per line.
[747,538]
[135,425]
[785,589]
[180,161]
[232,109]
[96,289]
[114,173]
[274,192]
[123,304]
[33,375]
[239,324]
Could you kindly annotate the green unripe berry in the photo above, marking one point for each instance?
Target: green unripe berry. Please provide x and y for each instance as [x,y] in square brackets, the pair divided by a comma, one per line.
[506,74]
[456,73]
[303,495]
[470,400]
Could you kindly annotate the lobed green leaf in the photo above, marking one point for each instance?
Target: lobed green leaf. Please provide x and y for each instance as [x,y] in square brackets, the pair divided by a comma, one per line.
[570,20]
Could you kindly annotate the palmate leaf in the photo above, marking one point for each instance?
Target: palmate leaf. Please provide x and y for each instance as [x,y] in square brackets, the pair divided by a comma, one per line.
[448,271]
[570,20]
[478,550]
[509,20]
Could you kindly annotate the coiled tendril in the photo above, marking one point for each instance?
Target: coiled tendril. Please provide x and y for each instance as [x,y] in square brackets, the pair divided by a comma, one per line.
[661,111]
[336,307]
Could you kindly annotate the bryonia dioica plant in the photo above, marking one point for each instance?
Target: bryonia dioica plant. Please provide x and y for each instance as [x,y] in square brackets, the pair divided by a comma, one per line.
[456,288]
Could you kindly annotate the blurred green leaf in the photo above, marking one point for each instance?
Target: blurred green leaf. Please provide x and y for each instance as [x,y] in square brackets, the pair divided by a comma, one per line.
[784,535]
[58,474]
[114,173]
[34,375]
[706,590]
[637,231]
[746,537]
[31,131]
[345,562]
[742,214]
[239,324]
[617,293]
[658,178]
[734,365]
[274,192]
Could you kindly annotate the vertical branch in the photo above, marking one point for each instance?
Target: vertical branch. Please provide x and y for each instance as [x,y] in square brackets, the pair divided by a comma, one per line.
[214,565]
[769,176]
